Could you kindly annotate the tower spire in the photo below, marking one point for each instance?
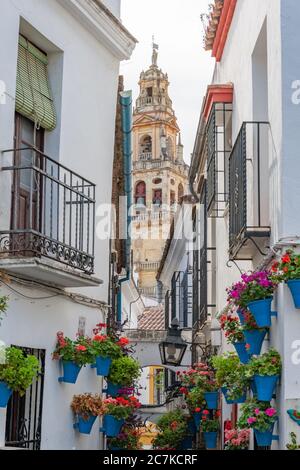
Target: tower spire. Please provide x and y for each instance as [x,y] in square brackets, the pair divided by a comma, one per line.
[155,48]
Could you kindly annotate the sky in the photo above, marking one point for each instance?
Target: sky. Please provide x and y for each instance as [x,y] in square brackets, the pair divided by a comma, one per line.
[177,28]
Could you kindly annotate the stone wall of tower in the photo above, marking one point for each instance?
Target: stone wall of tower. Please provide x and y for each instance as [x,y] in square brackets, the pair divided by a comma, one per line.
[159,172]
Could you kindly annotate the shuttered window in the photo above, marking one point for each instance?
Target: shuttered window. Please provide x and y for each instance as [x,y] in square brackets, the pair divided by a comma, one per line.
[33,95]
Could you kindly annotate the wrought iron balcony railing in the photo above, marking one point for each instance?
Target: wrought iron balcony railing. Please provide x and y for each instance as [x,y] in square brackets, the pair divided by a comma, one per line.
[249,197]
[52,211]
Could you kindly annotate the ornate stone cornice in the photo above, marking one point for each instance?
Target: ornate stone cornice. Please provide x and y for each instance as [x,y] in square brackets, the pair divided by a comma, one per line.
[98,19]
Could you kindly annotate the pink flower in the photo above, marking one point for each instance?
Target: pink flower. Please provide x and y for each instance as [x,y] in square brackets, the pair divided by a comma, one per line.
[251,420]
[257,411]
[270,412]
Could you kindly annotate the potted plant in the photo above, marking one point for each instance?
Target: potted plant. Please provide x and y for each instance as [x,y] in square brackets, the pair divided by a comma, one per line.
[289,271]
[211,393]
[265,371]
[128,439]
[105,349]
[202,377]
[124,371]
[261,417]
[195,402]
[17,372]
[254,336]
[73,354]
[210,427]
[86,408]
[231,377]
[237,439]
[255,292]
[234,335]
[116,411]
[173,429]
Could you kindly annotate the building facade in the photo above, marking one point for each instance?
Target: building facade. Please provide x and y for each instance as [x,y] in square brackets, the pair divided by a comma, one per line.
[244,172]
[56,139]
[159,173]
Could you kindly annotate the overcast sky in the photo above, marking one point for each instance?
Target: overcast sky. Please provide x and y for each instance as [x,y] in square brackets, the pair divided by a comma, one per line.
[178,30]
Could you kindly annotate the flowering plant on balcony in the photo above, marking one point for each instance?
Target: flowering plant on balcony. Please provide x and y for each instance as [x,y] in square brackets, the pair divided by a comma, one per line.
[173,430]
[232,328]
[288,267]
[256,286]
[86,404]
[128,439]
[120,407]
[79,351]
[210,424]
[268,364]
[260,416]
[237,439]
[124,371]
[18,370]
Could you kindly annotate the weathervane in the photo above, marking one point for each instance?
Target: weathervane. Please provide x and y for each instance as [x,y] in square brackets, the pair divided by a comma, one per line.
[155,48]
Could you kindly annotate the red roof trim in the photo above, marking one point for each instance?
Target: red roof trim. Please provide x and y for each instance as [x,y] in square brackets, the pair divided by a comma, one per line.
[223,28]
[217,94]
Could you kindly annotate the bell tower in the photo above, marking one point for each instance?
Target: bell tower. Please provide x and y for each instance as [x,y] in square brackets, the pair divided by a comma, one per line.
[159,173]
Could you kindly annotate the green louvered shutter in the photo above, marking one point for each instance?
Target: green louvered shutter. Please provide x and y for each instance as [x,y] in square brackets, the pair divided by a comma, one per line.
[33,96]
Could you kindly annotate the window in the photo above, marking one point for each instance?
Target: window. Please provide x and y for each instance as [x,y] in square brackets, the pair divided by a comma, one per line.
[172,198]
[146,148]
[149,91]
[180,192]
[157,181]
[170,148]
[140,194]
[157,197]
[24,414]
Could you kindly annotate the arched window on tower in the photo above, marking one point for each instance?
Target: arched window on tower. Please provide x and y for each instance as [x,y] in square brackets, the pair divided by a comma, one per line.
[170,148]
[146,148]
[140,195]
[180,192]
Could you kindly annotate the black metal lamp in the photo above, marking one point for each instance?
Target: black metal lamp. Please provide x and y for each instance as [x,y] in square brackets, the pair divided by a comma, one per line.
[173,348]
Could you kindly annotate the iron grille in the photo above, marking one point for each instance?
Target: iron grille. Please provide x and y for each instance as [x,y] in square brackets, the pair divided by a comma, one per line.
[248,188]
[24,413]
[203,257]
[53,211]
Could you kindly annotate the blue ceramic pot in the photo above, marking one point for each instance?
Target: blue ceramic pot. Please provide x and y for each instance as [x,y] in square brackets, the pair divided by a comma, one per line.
[211,399]
[112,389]
[294,286]
[261,311]
[210,439]
[112,426]
[265,386]
[242,352]
[241,317]
[103,365]
[255,339]
[197,419]
[71,371]
[238,401]
[264,439]
[5,394]
[85,426]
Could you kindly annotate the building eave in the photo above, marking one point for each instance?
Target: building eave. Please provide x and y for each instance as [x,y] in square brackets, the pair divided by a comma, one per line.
[104,26]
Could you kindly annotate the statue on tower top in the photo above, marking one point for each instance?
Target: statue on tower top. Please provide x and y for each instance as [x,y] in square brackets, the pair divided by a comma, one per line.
[155,48]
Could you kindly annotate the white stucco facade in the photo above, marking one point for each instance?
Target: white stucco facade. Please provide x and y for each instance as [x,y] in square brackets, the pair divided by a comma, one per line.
[260,60]
[85,45]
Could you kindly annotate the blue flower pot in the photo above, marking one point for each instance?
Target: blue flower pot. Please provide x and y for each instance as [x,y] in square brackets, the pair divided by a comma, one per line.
[112,426]
[242,352]
[241,317]
[191,426]
[261,310]
[238,401]
[253,388]
[112,389]
[186,444]
[5,394]
[115,448]
[197,419]
[255,339]
[71,371]
[85,426]
[211,399]
[294,286]
[265,386]
[210,439]
[103,365]
[264,439]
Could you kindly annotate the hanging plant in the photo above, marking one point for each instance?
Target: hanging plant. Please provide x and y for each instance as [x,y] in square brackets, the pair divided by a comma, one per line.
[124,371]
[79,351]
[237,439]
[173,428]
[87,404]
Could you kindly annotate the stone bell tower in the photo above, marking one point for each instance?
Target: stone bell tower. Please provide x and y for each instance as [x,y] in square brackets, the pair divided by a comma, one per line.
[159,173]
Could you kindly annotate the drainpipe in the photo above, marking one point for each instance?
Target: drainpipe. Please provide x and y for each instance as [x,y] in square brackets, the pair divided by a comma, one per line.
[126,106]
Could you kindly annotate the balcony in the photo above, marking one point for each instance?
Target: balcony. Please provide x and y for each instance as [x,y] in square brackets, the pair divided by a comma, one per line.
[145,156]
[249,226]
[148,266]
[50,235]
